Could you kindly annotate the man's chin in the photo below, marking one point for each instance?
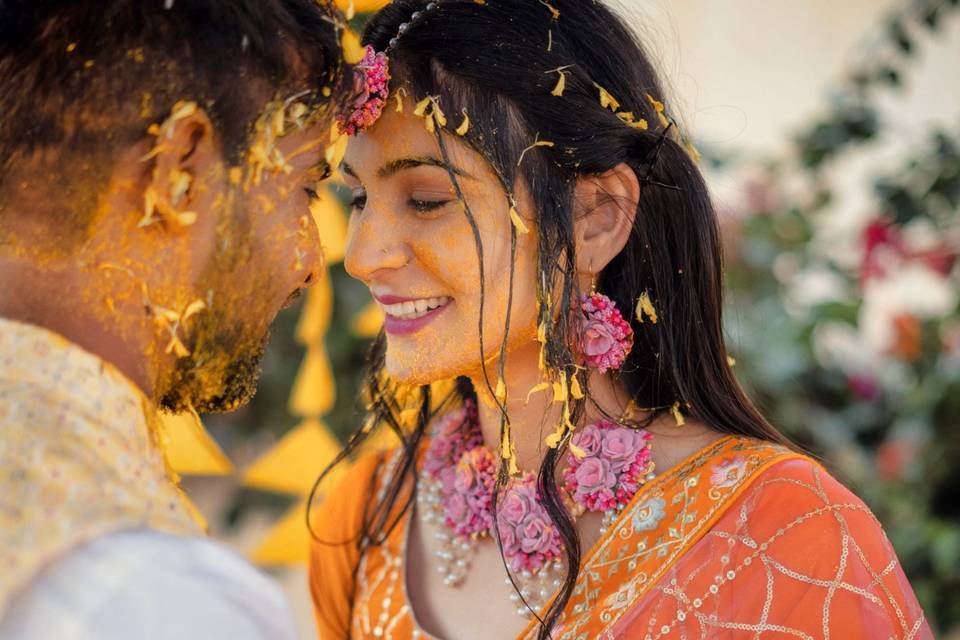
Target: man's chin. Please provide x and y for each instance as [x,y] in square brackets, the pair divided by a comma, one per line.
[216,386]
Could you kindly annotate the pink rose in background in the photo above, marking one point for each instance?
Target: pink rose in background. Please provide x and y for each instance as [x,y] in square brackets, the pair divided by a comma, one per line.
[589,439]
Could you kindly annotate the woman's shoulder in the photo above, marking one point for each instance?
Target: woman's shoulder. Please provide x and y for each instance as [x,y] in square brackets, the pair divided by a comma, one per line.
[797,504]
[345,496]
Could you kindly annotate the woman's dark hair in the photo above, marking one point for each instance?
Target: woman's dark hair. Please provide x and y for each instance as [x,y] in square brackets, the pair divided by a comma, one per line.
[501,61]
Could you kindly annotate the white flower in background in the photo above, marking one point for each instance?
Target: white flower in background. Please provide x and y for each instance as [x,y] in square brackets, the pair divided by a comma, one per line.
[913,289]
[844,347]
[809,287]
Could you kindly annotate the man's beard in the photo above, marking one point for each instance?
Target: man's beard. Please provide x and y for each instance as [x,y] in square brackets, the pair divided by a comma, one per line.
[220,374]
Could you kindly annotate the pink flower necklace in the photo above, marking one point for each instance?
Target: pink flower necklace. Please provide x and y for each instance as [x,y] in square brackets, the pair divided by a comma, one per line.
[456,497]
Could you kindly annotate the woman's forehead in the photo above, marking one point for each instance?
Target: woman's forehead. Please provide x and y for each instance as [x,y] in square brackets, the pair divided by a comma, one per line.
[401,134]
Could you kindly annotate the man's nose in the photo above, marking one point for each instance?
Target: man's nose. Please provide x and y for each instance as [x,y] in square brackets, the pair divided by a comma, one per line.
[310,257]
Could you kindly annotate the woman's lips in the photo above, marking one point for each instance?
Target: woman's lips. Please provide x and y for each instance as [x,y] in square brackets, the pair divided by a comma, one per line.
[408,315]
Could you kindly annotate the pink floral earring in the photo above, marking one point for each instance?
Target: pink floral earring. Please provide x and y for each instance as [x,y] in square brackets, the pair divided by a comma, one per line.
[605,337]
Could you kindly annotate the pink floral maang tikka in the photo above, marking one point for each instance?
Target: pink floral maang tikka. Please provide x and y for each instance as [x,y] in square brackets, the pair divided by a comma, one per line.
[371,78]
[605,336]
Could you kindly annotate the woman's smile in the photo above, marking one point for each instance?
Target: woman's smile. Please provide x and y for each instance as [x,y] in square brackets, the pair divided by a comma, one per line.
[409,315]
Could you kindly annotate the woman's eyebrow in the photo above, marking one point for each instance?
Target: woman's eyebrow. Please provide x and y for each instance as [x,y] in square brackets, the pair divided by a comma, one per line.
[401,164]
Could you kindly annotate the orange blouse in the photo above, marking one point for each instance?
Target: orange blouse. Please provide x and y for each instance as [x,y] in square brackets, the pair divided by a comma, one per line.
[742,538]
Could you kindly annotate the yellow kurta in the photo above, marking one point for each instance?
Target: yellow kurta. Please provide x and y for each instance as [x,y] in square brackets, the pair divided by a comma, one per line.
[79,456]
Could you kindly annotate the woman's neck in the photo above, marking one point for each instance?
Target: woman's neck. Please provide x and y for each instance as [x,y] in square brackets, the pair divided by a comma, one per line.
[532,421]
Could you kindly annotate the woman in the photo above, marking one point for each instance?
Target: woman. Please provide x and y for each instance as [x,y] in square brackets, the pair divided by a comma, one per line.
[537,231]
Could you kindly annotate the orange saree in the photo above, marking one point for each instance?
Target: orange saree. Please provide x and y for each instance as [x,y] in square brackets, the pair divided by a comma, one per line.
[744,539]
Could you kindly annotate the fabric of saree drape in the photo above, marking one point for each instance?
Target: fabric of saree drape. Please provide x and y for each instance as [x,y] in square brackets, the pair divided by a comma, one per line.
[744,539]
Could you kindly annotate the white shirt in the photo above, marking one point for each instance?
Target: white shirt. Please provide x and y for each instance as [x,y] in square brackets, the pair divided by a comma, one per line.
[147,585]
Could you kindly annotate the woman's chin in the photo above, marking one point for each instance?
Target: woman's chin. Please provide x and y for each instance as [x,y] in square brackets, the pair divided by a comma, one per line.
[417,369]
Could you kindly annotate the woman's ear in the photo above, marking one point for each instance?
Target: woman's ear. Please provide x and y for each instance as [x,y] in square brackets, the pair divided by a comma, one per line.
[605,207]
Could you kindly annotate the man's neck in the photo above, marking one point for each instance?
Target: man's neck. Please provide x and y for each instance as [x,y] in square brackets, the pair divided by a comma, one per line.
[55,300]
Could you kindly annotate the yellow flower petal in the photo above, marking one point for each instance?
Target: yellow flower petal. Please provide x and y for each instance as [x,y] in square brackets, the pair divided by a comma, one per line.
[561,85]
[501,391]
[677,416]
[575,389]
[353,51]
[465,125]
[607,101]
[186,218]
[193,308]
[421,107]
[336,150]
[577,451]
[553,10]
[645,308]
[560,388]
[518,221]
[554,439]
[537,388]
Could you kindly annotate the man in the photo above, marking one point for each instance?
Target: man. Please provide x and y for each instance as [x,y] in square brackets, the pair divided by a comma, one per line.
[154,157]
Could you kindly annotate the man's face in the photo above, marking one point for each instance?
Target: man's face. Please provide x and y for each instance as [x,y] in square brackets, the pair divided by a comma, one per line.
[266,249]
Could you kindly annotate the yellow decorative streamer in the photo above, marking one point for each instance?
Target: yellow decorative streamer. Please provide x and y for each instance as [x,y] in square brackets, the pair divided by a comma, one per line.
[190,449]
[368,321]
[294,463]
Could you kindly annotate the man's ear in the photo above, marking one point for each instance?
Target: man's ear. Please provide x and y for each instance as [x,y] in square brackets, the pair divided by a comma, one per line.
[183,157]
[605,207]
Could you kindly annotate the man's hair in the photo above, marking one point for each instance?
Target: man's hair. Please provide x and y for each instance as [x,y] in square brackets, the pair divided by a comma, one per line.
[80,79]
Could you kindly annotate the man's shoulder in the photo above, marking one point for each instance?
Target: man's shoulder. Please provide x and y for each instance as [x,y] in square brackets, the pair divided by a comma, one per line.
[149,584]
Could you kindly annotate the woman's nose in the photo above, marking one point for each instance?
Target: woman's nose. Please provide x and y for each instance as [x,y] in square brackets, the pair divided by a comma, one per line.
[375,243]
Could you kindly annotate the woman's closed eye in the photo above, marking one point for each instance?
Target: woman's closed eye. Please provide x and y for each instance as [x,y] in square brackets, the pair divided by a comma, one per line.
[425,205]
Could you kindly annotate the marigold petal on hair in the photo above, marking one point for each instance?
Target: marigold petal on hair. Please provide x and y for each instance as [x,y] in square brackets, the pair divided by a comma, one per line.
[465,125]
[677,415]
[561,85]
[575,391]
[607,101]
[645,308]
[554,12]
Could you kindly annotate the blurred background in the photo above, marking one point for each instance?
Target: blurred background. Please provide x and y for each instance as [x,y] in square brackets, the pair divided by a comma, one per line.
[830,134]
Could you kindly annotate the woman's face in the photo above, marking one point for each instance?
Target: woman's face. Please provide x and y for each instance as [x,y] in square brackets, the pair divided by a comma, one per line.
[410,242]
